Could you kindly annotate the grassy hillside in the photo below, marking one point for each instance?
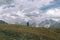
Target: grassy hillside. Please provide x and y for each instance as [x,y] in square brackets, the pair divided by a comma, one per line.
[20,32]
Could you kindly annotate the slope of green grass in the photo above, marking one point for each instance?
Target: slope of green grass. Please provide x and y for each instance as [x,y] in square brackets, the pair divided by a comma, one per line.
[20,32]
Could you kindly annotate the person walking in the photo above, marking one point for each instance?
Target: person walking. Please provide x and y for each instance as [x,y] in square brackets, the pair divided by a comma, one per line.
[27,23]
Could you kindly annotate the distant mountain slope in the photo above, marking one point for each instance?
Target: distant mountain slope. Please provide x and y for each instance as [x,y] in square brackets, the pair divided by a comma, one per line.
[20,32]
[56,25]
[47,23]
[3,22]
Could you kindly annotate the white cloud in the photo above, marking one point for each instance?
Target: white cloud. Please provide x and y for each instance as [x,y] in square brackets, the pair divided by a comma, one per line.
[21,8]
[53,12]
[56,19]
[26,4]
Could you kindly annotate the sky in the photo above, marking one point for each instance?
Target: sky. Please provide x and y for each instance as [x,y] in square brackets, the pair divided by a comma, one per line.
[13,11]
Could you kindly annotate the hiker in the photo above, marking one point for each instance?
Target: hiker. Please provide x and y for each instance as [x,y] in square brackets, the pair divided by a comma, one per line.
[27,23]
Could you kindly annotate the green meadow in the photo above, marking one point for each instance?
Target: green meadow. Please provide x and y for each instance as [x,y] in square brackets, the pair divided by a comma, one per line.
[21,32]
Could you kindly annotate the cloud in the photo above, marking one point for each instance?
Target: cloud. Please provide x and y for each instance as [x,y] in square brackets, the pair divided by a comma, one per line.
[4,2]
[52,14]
[54,4]
[23,10]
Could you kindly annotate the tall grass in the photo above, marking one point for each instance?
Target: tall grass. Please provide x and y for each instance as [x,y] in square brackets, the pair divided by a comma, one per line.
[21,32]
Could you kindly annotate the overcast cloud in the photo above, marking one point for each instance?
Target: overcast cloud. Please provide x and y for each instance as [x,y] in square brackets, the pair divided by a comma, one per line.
[29,10]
